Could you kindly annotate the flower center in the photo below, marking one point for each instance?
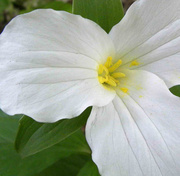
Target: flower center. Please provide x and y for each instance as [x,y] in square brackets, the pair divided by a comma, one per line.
[107,74]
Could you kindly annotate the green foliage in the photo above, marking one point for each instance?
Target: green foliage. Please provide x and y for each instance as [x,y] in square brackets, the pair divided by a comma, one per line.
[33,137]
[2,114]
[68,156]
[66,167]
[3,5]
[56,5]
[8,128]
[89,169]
[106,13]
[176,90]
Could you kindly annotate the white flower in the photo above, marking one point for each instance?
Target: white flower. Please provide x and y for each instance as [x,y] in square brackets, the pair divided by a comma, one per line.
[53,65]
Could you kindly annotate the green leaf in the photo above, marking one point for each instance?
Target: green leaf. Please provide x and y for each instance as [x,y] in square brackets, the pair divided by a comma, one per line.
[33,137]
[69,166]
[56,5]
[90,169]
[11,164]
[176,90]
[106,13]
[2,114]
[8,129]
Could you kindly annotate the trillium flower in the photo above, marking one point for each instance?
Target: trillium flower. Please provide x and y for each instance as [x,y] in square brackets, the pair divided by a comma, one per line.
[53,65]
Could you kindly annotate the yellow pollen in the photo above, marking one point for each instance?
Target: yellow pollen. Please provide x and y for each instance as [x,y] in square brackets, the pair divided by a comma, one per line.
[134,63]
[106,75]
[125,90]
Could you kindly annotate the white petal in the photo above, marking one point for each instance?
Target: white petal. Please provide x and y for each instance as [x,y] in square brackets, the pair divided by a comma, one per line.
[150,34]
[58,31]
[138,134]
[48,65]
[168,68]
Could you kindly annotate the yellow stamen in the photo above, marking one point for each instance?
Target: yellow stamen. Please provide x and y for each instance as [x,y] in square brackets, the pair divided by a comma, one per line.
[115,66]
[108,62]
[125,90]
[118,75]
[106,75]
[111,82]
[102,79]
[100,69]
[134,63]
[106,70]
[115,80]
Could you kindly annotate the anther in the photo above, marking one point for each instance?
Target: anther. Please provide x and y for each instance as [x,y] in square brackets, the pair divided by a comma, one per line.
[100,69]
[102,79]
[111,82]
[108,62]
[115,66]
[118,75]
